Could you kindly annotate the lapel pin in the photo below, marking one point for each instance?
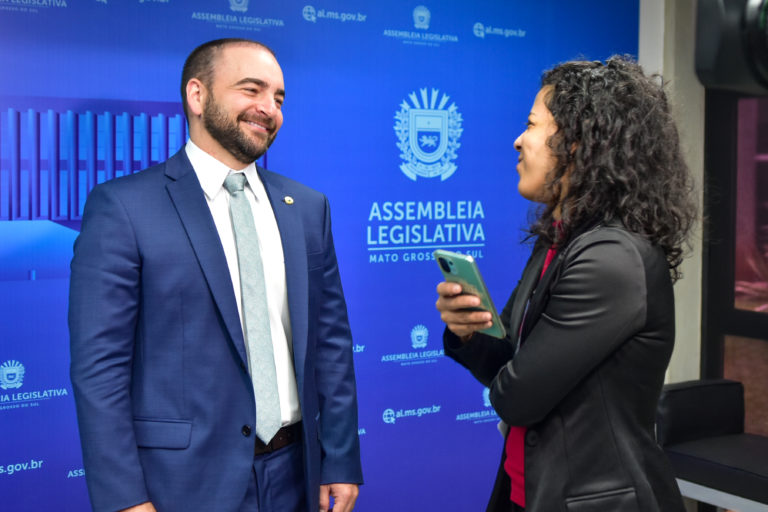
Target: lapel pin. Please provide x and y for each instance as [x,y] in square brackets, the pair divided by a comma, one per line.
[288,200]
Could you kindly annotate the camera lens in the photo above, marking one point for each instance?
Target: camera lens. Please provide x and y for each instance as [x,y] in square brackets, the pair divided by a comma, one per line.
[444,264]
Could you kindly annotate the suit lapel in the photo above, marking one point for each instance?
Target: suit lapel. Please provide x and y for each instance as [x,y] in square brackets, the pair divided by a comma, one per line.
[524,291]
[539,296]
[189,200]
[287,215]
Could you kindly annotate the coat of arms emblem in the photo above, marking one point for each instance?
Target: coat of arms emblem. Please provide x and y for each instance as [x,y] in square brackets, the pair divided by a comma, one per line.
[11,375]
[419,335]
[238,5]
[428,135]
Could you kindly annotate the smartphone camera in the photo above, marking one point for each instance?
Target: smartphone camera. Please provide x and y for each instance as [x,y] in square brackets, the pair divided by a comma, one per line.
[446,265]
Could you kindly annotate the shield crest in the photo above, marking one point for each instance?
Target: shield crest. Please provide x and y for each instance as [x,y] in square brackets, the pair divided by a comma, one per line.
[238,5]
[428,133]
[419,336]
[11,375]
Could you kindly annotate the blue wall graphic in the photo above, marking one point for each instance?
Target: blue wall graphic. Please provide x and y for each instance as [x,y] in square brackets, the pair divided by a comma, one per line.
[403,113]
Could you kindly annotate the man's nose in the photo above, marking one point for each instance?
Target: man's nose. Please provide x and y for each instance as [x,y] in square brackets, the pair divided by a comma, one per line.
[267,105]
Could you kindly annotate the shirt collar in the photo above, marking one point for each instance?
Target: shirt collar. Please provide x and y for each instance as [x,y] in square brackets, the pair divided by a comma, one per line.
[211,173]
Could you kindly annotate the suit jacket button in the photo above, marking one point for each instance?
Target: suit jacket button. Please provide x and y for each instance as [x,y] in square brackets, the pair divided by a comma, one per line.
[246,430]
[531,438]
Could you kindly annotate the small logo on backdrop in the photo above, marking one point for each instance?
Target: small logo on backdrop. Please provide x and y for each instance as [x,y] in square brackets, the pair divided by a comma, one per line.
[419,335]
[238,5]
[421,17]
[482,416]
[388,416]
[428,135]
[421,36]
[479,30]
[309,13]
[11,375]
[11,378]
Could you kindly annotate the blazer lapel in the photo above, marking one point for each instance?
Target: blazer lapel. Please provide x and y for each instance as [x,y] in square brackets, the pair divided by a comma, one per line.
[539,296]
[287,214]
[189,200]
[524,290]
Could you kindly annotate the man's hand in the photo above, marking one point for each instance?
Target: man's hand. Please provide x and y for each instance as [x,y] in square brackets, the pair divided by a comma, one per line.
[344,497]
[144,507]
[453,308]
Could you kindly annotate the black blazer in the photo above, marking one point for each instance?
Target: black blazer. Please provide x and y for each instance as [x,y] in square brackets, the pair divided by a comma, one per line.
[584,375]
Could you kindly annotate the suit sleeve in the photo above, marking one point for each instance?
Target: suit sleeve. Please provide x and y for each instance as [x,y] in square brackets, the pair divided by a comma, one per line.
[335,376]
[596,304]
[103,311]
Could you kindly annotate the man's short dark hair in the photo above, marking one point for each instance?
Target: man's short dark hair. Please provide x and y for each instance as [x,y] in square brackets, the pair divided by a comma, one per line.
[200,63]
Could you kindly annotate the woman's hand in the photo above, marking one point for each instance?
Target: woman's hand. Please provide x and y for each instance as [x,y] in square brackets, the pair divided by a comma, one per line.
[454,308]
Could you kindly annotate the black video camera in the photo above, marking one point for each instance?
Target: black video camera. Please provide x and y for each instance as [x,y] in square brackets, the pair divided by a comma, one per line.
[732,45]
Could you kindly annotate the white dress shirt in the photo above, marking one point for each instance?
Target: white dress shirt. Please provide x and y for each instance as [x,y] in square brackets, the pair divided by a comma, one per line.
[211,174]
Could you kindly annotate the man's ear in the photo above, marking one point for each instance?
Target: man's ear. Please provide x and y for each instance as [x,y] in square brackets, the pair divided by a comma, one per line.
[196,92]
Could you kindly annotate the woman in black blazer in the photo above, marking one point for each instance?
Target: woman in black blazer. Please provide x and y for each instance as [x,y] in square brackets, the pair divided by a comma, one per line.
[591,323]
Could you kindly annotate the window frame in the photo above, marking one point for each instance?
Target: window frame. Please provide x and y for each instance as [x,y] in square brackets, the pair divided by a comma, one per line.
[720,317]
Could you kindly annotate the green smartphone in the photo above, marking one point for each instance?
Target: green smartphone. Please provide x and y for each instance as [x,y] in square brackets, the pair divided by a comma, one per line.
[462,269]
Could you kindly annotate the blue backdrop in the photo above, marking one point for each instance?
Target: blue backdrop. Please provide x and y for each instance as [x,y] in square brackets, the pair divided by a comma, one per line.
[404,114]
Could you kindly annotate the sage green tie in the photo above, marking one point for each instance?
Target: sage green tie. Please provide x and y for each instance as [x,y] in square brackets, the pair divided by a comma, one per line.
[261,359]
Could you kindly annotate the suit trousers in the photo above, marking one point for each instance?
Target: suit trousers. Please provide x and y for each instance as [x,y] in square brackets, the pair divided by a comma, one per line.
[277,482]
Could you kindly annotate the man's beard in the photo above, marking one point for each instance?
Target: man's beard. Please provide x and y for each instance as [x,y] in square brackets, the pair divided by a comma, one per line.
[228,133]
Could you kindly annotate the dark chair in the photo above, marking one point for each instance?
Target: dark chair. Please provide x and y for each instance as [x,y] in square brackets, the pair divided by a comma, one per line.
[700,425]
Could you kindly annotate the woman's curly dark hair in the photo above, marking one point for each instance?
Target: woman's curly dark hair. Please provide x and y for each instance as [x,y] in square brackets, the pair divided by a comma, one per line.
[618,156]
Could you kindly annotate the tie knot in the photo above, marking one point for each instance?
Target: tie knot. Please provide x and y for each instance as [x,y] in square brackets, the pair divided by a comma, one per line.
[235,182]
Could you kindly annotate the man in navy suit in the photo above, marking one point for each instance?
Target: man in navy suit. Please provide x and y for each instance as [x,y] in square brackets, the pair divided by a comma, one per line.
[160,366]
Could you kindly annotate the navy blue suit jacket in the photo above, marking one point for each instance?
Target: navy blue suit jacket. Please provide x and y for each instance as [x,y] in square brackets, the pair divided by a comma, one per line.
[159,368]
